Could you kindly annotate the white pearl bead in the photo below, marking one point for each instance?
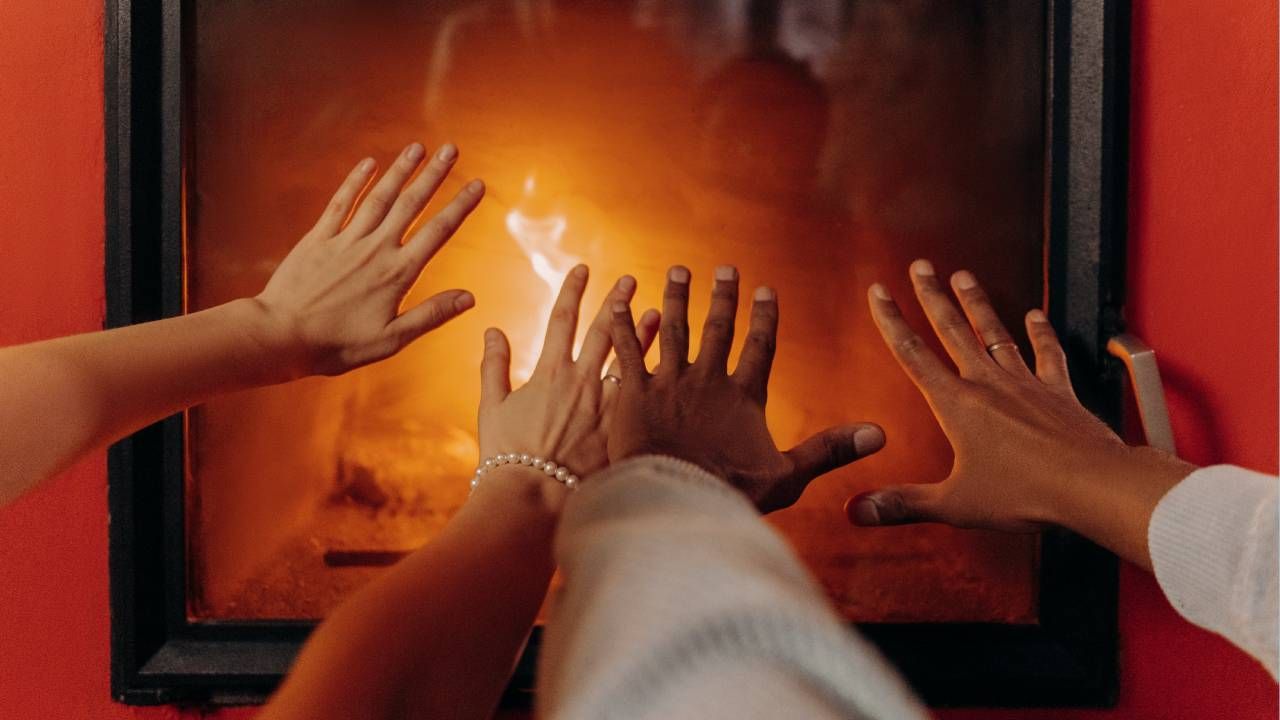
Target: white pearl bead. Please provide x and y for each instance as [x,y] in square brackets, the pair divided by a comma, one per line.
[549,468]
[561,474]
[571,482]
[480,470]
[488,463]
[526,459]
[474,482]
[536,461]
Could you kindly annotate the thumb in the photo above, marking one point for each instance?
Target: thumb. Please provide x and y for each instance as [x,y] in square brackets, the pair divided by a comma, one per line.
[896,505]
[833,448]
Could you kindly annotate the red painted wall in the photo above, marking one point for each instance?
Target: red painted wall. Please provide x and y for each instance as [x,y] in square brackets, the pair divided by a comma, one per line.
[1203,276]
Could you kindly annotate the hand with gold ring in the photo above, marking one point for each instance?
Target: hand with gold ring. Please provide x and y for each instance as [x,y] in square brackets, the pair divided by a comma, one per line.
[1027,453]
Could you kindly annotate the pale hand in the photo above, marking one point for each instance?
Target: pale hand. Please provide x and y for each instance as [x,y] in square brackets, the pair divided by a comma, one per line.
[562,414]
[334,302]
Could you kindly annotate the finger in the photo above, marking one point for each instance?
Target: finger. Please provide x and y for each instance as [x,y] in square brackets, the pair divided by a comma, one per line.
[339,208]
[896,505]
[627,345]
[762,340]
[717,331]
[673,338]
[563,324]
[1051,361]
[647,332]
[950,326]
[429,315]
[495,368]
[830,449]
[427,241]
[418,193]
[985,321]
[384,193]
[596,345]
[909,349]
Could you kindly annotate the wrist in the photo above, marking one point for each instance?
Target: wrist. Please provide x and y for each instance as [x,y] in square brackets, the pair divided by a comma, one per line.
[1112,498]
[522,487]
[281,353]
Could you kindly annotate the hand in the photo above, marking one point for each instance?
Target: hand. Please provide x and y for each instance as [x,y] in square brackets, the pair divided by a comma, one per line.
[701,414]
[333,304]
[563,413]
[1027,452]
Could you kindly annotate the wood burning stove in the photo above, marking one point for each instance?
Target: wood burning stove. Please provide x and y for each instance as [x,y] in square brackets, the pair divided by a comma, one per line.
[687,145]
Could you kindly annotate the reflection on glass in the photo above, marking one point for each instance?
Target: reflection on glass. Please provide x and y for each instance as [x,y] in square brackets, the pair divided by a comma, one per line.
[816,145]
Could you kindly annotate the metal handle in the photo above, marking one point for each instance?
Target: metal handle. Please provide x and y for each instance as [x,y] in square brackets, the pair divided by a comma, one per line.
[1144,373]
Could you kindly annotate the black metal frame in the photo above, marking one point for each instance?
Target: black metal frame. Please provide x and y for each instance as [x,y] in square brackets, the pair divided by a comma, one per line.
[158,656]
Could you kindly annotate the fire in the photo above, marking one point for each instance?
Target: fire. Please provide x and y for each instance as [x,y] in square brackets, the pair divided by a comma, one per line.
[538,235]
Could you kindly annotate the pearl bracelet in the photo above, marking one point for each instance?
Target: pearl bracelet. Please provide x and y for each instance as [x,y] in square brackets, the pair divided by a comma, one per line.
[549,468]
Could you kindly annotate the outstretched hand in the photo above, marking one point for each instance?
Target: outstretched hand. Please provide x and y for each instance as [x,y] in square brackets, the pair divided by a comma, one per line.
[563,412]
[700,413]
[1027,452]
[334,302]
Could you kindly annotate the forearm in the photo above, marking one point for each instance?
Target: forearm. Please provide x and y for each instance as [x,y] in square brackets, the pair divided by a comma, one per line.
[1112,500]
[671,574]
[438,635]
[62,398]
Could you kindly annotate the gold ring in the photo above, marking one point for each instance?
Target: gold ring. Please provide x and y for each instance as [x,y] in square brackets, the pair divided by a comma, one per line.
[996,346]
[613,379]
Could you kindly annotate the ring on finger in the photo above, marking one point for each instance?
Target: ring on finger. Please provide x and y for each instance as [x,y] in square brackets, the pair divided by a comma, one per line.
[613,379]
[993,347]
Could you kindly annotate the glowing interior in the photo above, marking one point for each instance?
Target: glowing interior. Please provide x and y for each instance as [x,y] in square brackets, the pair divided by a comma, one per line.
[816,145]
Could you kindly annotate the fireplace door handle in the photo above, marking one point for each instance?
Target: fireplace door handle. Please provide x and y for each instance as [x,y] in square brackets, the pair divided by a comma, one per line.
[1144,376]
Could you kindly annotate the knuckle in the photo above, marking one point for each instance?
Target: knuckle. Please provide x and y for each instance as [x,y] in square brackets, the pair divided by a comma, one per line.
[762,342]
[561,314]
[719,326]
[337,207]
[910,346]
[378,203]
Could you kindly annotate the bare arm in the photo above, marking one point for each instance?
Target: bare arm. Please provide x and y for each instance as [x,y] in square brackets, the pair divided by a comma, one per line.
[332,305]
[438,635]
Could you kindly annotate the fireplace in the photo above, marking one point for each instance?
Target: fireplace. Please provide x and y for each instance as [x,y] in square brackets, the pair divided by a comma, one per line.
[817,145]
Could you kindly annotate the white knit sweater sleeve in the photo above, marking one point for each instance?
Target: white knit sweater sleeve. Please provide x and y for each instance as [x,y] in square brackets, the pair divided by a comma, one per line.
[1213,542]
[679,601]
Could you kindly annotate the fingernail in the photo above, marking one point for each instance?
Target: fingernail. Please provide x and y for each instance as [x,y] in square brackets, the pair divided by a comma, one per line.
[464,301]
[579,271]
[867,440]
[619,307]
[448,152]
[862,510]
[414,152]
[475,186]
[679,274]
[726,273]
[1037,316]
[965,280]
[922,267]
[626,283]
[365,165]
[881,294]
[763,294]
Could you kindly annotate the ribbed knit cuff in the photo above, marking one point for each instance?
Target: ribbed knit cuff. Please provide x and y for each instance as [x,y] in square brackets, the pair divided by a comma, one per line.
[1213,549]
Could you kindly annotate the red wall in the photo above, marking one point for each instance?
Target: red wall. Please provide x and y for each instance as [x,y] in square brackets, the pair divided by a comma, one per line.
[1203,276]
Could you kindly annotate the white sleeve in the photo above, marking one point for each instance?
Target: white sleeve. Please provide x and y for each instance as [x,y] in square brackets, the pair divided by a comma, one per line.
[675,592]
[1214,550]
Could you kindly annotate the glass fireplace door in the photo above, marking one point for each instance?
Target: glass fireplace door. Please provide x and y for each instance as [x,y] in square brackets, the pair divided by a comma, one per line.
[819,146]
